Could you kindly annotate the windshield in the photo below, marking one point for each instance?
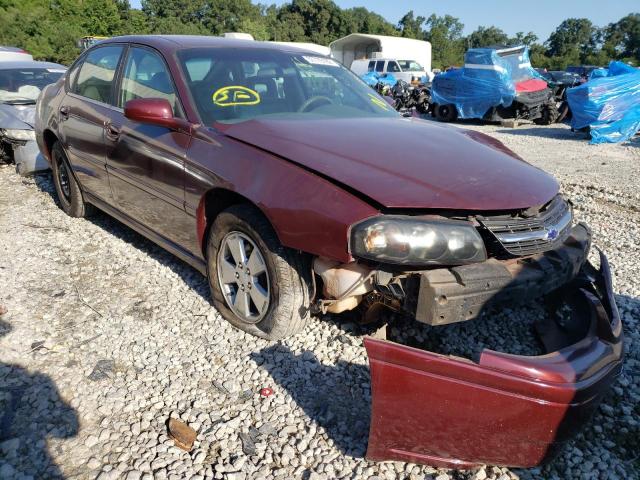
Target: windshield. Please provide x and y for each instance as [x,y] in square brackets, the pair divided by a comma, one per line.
[23,85]
[410,66]
[520,66]
[236,85]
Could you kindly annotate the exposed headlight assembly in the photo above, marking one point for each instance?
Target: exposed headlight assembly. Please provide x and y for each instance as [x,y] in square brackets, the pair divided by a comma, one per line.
[409,241]
[19,135]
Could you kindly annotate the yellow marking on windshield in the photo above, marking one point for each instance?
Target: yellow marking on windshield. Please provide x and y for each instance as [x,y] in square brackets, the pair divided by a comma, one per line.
[235,95]
[379,102]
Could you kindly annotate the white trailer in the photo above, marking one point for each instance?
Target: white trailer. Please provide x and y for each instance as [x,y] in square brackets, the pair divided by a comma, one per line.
[360,46]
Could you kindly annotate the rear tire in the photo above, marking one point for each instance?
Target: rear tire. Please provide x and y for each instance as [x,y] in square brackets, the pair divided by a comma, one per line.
[549,114]
[285,281]
[446,113]
[67,187]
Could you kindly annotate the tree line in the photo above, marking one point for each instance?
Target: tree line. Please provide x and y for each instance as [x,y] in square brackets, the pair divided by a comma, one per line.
[49,29]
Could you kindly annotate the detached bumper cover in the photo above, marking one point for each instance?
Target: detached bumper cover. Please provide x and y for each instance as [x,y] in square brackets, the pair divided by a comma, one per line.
[505,409]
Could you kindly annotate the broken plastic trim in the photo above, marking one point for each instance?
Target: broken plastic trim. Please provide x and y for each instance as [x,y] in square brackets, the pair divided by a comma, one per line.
[505,409]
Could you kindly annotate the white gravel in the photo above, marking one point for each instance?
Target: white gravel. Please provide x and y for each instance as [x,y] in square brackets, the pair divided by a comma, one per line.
[106,336]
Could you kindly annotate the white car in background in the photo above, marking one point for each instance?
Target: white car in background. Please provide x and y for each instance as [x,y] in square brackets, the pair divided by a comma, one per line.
[407,70]
[8,54]
[20,85]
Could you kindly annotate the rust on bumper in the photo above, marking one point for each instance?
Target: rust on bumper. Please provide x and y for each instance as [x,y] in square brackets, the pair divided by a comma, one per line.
[504,409]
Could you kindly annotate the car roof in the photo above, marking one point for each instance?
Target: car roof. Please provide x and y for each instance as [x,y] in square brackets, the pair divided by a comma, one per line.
[179,42]
[13,64]
[4,48]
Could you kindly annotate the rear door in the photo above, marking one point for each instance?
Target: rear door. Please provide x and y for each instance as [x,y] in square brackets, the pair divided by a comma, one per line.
[146,162]
[87,107]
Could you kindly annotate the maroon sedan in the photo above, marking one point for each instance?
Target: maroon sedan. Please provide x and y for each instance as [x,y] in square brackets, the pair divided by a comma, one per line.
[296,189]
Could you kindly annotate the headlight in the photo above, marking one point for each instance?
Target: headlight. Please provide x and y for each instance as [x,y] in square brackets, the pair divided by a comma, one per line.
[409,241]
[22,135]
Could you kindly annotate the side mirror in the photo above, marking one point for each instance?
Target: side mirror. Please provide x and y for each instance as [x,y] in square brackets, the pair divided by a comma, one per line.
[155,111]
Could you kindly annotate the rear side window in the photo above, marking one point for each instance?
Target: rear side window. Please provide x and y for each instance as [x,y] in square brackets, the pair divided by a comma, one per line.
[146,76]
[95,78]
[380,66]
[372,65]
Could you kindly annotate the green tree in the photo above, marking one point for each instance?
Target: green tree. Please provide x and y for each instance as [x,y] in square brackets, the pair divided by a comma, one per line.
[322,21]
[522,38]
[411,26]
[361,20]
[572,42]
[487,37]
[99,17]
[622,38]
[538,55]
[447,44]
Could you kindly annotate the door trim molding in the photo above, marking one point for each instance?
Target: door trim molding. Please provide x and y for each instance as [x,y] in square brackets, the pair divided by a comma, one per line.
[195,261]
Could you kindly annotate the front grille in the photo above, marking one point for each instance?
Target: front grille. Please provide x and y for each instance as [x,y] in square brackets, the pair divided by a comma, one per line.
[527,235]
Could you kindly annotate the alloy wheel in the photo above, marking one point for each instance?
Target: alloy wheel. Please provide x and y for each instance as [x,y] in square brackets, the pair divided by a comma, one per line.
[243,277]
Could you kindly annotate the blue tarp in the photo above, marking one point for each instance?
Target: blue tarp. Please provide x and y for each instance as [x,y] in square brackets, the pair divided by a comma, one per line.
[487,80]
[599,72]
[372,79]
[609,105]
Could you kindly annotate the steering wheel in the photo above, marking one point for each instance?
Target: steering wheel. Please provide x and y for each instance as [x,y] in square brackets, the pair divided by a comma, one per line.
[319,100]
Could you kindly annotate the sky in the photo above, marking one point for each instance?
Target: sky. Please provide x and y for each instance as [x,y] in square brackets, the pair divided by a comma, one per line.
[540,16]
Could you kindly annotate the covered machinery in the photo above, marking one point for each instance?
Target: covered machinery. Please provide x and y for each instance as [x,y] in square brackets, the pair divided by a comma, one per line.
[494,84]
[608,105]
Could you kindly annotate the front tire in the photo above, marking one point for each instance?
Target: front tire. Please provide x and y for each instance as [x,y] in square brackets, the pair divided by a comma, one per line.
[257,285]
[67,187]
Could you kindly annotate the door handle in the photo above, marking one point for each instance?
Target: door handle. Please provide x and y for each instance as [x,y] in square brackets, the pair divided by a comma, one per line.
[111,132]
[64,112]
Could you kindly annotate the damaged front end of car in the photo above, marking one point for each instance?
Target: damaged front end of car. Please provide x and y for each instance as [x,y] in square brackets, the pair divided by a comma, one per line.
[498,409]
[493,408]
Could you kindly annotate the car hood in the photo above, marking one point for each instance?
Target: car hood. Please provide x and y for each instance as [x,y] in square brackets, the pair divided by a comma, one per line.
[405,162]
[20,117]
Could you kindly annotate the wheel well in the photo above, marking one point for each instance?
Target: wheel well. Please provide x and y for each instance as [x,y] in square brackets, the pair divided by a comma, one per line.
[215,201]
[49,139]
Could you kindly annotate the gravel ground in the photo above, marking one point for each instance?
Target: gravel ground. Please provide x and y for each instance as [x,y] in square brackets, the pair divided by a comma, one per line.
[106,337]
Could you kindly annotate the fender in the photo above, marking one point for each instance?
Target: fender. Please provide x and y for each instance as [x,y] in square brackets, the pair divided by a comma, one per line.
[307,211]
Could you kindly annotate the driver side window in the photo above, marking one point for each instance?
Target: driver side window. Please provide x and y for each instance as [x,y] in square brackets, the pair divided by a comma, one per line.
[146,76]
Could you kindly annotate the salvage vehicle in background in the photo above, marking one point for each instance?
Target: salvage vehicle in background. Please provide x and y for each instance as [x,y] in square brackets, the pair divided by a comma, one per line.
[12,54]
[408,56]
[495,84]
[583,70]
[231,155]
[559,82]
[20,84]
[407,97]
[409,71]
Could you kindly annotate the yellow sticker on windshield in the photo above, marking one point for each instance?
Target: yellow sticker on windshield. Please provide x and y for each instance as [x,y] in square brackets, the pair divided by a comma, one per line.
[379,102]
[235,95]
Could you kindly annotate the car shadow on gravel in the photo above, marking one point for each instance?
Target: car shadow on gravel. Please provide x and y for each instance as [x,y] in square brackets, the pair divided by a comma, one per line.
[547,132]
[31,412]
[335,397]
[193,278]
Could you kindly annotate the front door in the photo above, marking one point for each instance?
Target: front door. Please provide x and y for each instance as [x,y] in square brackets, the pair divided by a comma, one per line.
[146,162]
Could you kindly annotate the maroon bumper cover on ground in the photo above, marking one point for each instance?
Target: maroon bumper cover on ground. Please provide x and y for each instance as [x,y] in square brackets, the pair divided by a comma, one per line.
[505,409]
